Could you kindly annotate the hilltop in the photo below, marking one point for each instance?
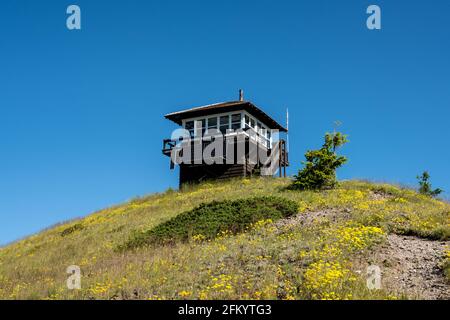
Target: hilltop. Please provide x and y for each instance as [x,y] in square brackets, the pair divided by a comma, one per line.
[320,252]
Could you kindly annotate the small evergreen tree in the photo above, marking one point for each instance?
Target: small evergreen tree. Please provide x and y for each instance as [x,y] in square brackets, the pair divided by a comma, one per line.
[319,170]
[425,186]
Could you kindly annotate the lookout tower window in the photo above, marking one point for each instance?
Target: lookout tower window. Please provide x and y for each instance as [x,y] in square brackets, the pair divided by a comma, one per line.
[247,122]
[212,123]
[224,124]
[190,127]
[203,124]
[236,121]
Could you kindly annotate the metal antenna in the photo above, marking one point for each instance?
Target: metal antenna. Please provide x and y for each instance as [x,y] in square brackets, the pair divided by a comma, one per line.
[241,95]
[337,124]
[287,128]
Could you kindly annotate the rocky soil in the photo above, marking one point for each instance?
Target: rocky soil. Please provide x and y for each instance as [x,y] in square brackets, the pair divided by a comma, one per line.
[411,265]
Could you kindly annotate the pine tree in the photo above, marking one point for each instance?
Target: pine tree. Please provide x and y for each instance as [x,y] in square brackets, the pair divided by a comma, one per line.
[425,186]
[319,170]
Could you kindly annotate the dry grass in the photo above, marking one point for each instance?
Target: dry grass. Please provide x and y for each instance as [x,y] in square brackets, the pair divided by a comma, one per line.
[269,261]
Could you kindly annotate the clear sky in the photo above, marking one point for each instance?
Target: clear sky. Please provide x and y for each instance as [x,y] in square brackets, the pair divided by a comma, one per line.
[81,112]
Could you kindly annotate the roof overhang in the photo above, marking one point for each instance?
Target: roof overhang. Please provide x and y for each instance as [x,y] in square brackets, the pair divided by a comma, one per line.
[207,110]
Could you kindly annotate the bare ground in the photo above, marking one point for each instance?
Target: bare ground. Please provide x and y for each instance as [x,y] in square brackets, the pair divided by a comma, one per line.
[312,217]
[409,265]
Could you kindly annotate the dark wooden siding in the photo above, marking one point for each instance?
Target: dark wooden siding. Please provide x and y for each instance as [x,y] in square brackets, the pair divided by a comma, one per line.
[194,173]
[198,173]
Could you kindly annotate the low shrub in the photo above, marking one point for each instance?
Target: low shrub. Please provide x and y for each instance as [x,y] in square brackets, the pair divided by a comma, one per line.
[211,219]
[72,229]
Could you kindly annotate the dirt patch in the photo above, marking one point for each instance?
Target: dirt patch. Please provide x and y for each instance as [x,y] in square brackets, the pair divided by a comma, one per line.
[379,195]
[411,266]
[313,217]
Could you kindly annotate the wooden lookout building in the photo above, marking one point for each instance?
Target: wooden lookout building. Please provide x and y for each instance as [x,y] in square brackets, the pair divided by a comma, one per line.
[240,123]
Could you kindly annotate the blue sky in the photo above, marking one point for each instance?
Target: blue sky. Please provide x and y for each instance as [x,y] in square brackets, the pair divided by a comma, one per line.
[81,112]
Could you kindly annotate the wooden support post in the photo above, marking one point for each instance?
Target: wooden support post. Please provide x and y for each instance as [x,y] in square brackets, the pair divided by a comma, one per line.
[279,157]
[284,158]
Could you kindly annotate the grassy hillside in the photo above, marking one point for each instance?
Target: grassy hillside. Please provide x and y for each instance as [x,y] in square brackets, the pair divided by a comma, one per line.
[320,253]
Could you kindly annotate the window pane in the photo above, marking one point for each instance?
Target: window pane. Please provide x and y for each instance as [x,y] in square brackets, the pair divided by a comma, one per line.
[236,118]
[200,125]
[189,125]
[252,123]
[247,119]
[224,120]
[212,122]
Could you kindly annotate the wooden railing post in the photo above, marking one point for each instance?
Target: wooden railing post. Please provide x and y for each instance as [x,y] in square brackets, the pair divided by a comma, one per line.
[279,157]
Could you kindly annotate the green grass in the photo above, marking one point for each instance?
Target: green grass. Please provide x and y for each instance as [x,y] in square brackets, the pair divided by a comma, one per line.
[267,261]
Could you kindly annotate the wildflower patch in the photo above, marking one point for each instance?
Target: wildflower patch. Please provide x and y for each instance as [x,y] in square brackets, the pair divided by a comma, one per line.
[325,280]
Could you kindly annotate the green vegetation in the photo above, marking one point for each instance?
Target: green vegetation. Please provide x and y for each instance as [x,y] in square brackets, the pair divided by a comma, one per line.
[208,221]
[425,185]
[319,170]
[72,229]
[315,254]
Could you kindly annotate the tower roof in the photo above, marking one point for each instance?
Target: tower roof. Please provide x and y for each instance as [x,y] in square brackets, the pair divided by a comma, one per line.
[222,107]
